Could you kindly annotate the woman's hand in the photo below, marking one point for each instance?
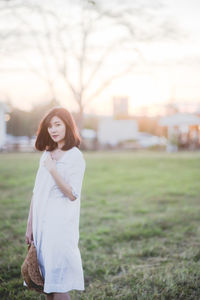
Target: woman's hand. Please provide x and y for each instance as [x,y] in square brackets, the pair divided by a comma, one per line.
[50,163]
[29,234]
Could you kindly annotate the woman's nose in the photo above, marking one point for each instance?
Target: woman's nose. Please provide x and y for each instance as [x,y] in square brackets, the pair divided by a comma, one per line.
[53,129]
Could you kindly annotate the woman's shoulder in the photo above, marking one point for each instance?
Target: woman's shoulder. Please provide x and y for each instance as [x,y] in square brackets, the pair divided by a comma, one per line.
[76,150]
[42,156]
[76,158]
[73,154]
[76,153]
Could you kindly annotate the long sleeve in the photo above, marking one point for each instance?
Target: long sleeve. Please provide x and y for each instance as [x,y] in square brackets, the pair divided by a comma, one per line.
[75,173]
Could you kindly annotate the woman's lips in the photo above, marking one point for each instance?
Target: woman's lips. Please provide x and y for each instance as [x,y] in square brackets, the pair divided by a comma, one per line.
[54,136]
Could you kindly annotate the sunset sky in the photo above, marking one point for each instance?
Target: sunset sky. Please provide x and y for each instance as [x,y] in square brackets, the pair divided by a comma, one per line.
[170,70]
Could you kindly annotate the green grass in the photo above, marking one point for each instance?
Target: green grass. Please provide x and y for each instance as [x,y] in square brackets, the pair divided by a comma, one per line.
[139,225]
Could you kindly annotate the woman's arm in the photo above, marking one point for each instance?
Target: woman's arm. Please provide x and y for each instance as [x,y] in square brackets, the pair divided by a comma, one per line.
[72,188]
[29,221]
[65,188]
[29,231]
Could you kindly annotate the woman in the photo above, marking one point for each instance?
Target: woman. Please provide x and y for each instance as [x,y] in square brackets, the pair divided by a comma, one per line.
[53,222]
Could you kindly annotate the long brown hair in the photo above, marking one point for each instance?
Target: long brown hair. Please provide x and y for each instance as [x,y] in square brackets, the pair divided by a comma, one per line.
[72,137]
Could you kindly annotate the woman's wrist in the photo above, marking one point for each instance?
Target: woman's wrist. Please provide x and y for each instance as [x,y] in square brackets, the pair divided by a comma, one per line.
[29,223]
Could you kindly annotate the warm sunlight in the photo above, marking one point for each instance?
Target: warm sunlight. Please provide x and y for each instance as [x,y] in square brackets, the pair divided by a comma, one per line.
[164,62]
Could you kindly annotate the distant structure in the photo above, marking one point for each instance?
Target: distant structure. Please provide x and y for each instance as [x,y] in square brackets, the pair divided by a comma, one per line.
[3,110]
[183,131]
[111,132]
[120,107]
[120,127]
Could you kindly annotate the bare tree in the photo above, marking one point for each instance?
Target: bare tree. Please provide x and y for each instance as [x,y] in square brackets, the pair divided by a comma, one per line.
[87,44]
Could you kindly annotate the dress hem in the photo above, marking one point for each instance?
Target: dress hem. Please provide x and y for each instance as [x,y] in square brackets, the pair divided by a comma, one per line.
[57,289]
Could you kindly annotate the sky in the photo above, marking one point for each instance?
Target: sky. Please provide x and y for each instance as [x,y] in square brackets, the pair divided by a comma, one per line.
[170,70]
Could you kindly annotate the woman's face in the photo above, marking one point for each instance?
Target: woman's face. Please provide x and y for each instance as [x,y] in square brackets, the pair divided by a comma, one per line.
[56,129]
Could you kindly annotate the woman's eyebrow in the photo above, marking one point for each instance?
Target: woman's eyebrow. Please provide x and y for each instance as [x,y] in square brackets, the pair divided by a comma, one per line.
[55,122]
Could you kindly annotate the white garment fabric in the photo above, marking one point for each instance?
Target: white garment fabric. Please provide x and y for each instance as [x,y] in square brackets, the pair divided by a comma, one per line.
[55,223]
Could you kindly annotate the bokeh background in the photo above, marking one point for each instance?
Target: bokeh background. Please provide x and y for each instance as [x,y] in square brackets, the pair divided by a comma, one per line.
[129,73]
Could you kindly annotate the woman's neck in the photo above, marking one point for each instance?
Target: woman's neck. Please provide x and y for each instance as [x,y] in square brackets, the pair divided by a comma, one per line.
[60,145]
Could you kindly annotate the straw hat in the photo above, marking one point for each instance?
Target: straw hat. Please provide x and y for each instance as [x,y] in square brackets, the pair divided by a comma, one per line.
[30,270]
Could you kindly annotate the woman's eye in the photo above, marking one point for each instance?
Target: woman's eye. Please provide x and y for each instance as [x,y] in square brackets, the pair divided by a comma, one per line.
[55,125]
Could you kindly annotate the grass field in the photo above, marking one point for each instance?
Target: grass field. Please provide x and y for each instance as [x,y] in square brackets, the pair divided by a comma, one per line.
[139,225]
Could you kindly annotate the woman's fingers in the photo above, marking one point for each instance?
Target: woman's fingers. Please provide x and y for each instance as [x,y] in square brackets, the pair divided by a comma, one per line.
[29,234]
[29,238]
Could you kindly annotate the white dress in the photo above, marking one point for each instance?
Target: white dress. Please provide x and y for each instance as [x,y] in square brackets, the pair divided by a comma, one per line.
[56,223]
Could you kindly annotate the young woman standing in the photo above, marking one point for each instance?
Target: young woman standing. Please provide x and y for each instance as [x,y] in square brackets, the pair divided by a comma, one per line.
[53,222]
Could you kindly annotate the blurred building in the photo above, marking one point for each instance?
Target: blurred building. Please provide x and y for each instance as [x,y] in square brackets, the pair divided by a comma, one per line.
[111,132]
[20,143]
[3,115]
[183,131]
[89,139]
[117,129]
[120,107]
